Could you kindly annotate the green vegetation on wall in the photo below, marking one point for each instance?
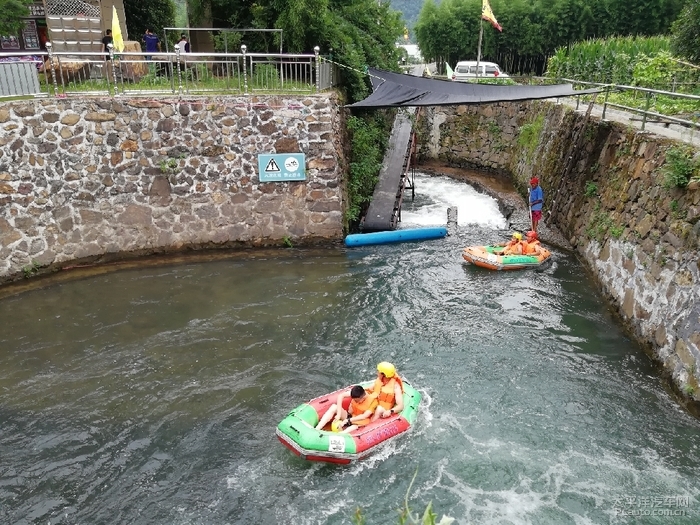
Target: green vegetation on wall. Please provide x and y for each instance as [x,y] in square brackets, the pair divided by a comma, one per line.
[681,166]
[601,225]
[368,139]
[529,136]
[591,189]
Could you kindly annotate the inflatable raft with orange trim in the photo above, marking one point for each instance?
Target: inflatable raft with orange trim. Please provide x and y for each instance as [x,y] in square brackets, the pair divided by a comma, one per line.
[485,257]
[297,432]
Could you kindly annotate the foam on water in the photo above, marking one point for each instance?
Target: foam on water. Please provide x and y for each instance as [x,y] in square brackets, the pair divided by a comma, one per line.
[434,194]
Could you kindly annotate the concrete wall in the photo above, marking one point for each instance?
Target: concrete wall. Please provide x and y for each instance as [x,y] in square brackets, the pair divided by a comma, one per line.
[604,189]
[85,179]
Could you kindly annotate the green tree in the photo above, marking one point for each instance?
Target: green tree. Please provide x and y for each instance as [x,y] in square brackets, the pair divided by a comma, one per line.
[534,29]
[685,32]
[358,33]
[426,26]
[12,13]
[154,14]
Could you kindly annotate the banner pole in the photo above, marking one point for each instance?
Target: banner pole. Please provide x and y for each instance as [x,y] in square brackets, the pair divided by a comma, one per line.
[478,52]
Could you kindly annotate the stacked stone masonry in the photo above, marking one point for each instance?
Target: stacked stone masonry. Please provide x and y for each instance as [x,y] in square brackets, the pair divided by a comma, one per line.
[84,179]
[605,189]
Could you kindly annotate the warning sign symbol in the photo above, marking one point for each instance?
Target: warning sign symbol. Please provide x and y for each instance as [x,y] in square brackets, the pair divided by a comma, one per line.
[272,166]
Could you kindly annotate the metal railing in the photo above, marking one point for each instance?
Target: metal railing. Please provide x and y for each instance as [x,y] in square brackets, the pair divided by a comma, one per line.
[646,96]
[68,74]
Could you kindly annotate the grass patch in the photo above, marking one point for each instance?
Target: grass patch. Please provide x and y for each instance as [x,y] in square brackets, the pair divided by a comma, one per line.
[529,135]
[31,270]
[591,189]
[601,225]
[680,167]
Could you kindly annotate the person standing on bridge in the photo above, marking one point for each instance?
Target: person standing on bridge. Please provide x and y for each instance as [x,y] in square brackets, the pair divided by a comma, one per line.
[536,201]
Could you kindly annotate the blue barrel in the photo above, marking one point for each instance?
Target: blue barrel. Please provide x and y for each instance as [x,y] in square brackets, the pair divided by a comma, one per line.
[408,235]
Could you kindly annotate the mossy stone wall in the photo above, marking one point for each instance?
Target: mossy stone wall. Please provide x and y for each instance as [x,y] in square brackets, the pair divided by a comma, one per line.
[605,190]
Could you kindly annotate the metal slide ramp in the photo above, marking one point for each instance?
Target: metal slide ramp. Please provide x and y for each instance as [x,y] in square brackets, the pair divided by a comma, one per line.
[384,211]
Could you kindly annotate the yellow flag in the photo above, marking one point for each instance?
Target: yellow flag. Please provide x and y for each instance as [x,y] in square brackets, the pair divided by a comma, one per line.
[487,14]
[448,71]
[117,39]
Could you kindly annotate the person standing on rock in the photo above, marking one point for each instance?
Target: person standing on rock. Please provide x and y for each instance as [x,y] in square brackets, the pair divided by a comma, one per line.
[536,200]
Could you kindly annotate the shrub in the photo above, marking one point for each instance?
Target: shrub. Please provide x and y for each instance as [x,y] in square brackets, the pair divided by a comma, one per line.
[530,134]
[591,189]
[680,167]
[368,138]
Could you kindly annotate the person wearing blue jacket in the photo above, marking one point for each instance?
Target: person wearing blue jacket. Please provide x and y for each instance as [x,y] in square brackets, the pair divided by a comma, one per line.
[536,202]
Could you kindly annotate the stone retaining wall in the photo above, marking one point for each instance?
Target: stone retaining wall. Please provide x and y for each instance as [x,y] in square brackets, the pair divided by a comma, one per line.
[85,179]
[605,190]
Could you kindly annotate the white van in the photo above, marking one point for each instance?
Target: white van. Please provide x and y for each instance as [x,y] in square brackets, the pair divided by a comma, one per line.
[466,71]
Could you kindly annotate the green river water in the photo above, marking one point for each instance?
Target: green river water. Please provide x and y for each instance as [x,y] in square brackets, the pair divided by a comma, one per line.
[150,395]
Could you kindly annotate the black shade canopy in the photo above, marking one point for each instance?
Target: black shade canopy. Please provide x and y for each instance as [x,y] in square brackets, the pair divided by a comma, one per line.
[396,90]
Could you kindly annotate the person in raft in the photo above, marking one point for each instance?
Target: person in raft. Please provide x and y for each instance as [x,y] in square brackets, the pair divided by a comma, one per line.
[532,245]
[536,201]
[389,391]
[360,411]
[387,388]
[512,247]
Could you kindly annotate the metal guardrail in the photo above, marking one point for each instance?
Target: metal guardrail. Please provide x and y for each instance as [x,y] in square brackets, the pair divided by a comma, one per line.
[67,74]
[648,94]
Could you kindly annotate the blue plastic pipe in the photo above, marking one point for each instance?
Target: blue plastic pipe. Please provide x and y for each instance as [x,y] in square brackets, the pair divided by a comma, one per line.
[408,235]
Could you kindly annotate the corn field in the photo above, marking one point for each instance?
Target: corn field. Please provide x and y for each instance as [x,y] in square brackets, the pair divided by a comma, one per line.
[632,61]
[608,61]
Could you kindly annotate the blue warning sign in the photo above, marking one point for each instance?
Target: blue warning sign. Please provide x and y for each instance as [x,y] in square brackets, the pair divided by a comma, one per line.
[281,167]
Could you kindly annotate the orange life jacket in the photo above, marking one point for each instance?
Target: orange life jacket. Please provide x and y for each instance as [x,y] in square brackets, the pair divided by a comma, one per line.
[360,407]
[512,248]
[386,392]
[530,247]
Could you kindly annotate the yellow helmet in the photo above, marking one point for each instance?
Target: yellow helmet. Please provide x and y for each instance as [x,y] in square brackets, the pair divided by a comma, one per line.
[387,369]
[518,235]
[335,426]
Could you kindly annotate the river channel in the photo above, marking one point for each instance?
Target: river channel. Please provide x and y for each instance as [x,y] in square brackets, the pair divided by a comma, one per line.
[150,395]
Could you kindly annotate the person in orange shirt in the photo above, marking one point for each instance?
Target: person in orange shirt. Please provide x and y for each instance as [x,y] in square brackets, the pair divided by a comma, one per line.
[360,411]
[389,391]
[532,245]
[512,247]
